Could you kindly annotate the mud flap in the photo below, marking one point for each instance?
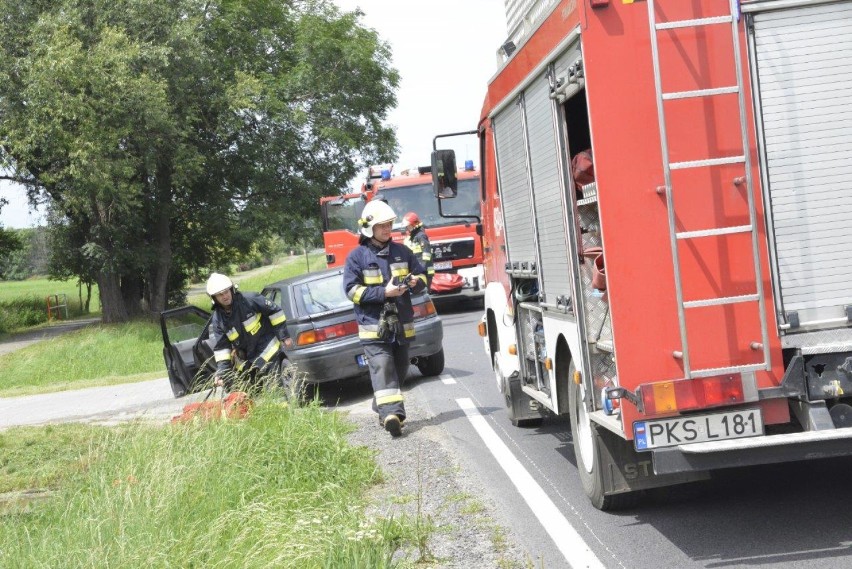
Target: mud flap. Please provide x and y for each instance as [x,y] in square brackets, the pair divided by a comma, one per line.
[627,470]
[523,409]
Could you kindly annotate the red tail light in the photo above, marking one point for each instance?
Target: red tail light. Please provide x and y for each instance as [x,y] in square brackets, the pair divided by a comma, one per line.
[424,310]
[327,333]
[686,394]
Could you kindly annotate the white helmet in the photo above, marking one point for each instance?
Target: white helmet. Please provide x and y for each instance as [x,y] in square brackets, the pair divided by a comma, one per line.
[218,283]
[375,212]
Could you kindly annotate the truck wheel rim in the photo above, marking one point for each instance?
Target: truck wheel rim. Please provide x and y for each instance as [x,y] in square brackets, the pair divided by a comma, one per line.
[583,436]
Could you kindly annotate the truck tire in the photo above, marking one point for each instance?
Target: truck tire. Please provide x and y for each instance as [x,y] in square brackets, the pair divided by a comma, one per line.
[432,365]
[587,450]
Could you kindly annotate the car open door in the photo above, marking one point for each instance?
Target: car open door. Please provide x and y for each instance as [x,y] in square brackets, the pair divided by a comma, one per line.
[186,350]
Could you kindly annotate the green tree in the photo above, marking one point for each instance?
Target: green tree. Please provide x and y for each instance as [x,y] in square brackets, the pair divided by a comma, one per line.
[169,135]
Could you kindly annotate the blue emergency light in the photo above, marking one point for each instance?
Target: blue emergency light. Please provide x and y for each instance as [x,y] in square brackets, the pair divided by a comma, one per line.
[385,174]
[468,165]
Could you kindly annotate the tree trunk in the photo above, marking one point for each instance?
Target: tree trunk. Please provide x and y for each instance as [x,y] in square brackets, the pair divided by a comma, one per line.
[158,275]
[112,303]
[131,293]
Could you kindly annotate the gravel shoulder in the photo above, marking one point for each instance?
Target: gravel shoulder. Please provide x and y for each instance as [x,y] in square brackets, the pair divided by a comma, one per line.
[422,474]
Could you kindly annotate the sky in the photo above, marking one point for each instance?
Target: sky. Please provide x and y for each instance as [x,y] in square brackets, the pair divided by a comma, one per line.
[445,52]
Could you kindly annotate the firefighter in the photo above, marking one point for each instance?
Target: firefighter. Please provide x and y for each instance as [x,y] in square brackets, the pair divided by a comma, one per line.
[246,326]
[378,278]
[417,240]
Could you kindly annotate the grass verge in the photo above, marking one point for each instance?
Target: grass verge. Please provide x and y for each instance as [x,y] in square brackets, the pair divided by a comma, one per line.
[281,488]
[103,354]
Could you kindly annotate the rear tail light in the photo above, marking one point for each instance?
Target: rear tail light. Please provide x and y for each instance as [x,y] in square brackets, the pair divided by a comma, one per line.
[424,310]
[686,394]
[334,332]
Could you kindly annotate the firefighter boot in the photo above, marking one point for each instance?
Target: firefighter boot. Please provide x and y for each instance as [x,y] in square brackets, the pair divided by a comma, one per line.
[393,425]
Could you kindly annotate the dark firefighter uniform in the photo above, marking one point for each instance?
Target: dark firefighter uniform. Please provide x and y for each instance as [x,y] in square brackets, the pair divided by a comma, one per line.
[418,242]
[368,270]
[254,328]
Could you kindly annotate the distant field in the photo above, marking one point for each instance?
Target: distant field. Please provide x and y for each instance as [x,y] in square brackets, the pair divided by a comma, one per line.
[43,287]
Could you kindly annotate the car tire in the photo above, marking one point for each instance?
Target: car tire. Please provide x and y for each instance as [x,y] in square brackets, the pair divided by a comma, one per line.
[431,365]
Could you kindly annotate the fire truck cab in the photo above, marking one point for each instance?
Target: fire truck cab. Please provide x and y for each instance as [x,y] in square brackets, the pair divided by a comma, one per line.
[452,226]
[666,189]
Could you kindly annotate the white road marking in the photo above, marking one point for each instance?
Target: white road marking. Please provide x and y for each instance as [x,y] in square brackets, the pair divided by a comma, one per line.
[447,379]
[576,551]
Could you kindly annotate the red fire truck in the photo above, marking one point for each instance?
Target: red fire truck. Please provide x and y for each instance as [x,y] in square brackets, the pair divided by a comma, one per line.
[667,196]
[453,227]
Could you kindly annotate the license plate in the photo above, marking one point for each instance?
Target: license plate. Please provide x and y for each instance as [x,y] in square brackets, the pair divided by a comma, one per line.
[361,359]
[443,265]
[660,433]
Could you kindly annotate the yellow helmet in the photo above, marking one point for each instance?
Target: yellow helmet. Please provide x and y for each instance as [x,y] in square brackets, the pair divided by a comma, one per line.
[375,212]
[218,283]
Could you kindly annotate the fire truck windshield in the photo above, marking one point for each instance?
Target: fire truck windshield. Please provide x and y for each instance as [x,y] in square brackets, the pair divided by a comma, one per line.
[421,200]
[342,214]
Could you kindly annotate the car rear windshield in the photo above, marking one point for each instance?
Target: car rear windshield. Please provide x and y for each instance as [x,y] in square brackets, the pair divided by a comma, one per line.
[321,295]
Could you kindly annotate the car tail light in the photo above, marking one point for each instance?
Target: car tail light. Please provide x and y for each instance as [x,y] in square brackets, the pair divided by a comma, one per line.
[424,310]
[686,394]
[333,332]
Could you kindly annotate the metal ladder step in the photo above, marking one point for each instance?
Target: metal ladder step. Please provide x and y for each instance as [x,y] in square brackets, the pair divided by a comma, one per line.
[713,232]
[714,371]
[707,162]
[694,23]
[722,300]
[700,93]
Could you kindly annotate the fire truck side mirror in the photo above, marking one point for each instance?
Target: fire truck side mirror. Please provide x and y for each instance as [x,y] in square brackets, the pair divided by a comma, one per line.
[444,180]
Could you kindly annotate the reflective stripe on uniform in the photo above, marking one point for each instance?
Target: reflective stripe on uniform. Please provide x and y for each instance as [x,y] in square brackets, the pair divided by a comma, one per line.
[386,396]
[277,318]
[423,277]
[399,269]
[252,325]
[222,355]
[233,335]
[427,256]
[355,293]
[373,277]
[409,330]
[430,270]
[416,249]
[271,349]
[368,331]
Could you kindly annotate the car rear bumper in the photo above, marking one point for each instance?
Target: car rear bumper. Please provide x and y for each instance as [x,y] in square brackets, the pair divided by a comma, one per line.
[428,339]
[329,362]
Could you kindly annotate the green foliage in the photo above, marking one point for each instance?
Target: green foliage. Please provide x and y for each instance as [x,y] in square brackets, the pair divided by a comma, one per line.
[30,258]
[279,489]
[169,135]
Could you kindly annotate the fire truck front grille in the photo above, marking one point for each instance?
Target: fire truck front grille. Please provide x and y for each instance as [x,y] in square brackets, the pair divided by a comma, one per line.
[451,250]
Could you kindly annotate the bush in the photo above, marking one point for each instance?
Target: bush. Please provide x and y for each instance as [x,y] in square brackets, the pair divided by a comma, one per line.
[21,313]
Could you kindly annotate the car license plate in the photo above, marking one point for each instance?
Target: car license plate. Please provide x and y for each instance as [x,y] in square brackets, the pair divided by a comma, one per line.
[362,360]
[660,433]
[443,265]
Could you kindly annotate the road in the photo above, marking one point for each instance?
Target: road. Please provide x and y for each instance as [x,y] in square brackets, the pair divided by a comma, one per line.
[792,515]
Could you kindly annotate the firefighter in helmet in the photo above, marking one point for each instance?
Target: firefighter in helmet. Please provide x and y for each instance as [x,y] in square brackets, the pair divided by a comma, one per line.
[417,240]
[246,326]
[378,278]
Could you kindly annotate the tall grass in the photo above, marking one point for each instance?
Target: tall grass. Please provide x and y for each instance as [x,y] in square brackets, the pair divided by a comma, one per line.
[98,355]
[279,489]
